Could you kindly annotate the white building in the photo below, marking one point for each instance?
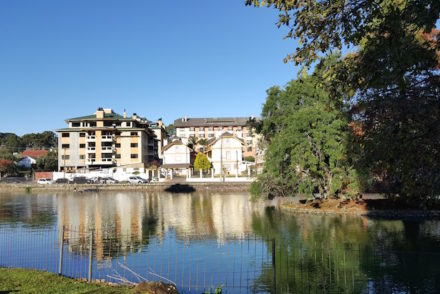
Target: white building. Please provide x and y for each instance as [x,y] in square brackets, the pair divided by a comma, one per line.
[26,162]
[226,153]
[178,157]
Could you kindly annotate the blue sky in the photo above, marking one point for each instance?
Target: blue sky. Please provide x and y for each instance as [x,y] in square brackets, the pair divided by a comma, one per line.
[61,59]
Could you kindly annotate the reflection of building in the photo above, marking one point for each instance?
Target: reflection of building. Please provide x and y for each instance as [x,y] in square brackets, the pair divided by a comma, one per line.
[121,221]
[106,139]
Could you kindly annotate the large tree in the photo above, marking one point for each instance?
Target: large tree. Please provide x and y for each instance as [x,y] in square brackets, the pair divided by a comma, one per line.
[391,74]
[308,135]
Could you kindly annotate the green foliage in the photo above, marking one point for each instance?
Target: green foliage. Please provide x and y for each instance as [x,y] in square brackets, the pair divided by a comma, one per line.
[192,142]
[49,162]
[391,83]
[15,143]
[203,142]
[308,134]
[6,153]
[201,162]
[171,130]
[249,158]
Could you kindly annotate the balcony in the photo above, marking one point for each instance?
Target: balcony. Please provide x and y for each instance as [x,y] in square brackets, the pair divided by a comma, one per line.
[106,138]
[91,149]
[107,149]
[104,161]
[91,138]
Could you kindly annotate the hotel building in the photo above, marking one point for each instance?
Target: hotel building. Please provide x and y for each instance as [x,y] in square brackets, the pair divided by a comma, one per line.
[210,128]
[106,139]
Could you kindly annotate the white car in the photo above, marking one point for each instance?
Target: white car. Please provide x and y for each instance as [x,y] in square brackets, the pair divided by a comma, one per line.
[137,180]
[44,181]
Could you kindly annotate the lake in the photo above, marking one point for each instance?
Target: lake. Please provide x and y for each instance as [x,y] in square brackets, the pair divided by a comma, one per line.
[200,241]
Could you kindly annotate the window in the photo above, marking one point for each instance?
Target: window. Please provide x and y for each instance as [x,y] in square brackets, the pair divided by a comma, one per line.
[133,133]
[65,146]
[93,124]
[133,144]
[82,157]
[201,130]
[128,124]
[249,149]
[65,135]
[76,124]
[108,123]
[82,145]
[82,134]
[65,157]
[249,142]
[118,145]
[134,156]
[118,156]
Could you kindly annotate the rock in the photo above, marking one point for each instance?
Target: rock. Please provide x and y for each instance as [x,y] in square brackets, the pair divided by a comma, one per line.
[155,288]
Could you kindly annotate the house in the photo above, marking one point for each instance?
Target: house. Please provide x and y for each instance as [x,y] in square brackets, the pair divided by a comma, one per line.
[212,127]
[178,158]
[226,154]
[29,157]
[106,139]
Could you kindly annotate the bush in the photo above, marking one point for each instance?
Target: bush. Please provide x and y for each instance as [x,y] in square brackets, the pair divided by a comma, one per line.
[249,158]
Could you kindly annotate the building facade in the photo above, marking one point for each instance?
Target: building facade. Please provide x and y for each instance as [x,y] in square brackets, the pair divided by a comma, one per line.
[225,154]
[161,135]
[211,128]
[105,139]
[178,157]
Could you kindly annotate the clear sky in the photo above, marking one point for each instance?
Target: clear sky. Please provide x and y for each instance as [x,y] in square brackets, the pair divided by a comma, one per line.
[163,58]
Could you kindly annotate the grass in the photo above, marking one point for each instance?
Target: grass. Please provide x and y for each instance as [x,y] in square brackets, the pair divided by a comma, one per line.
[31,281]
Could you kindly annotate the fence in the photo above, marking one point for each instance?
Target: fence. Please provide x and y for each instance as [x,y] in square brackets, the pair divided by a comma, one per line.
[239,264]
[193,263]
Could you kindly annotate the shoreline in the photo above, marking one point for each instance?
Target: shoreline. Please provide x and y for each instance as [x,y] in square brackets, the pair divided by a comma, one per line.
[358,210]
[174,187]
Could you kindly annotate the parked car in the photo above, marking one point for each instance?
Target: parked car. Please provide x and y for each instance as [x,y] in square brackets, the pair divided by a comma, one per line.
[61,181]
[137,180]
[110,181]
[44,181]
[81,180]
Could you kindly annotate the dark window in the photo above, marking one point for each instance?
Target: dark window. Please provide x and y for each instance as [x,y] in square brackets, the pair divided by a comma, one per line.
[65,146]
[82,134]
[128,124]
[118,155]
[249,149]
[133,134]
[82,145]
[81,157]
[108,123]
[118,145]
[133,144]
[65,135]
[134,156]
[76,124]
[93,124]
[65,156]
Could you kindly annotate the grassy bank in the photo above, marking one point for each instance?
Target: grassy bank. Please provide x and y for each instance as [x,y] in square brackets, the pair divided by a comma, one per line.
[368,207]
[31,281]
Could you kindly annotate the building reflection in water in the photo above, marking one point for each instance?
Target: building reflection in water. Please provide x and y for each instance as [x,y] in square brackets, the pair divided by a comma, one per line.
[124,222]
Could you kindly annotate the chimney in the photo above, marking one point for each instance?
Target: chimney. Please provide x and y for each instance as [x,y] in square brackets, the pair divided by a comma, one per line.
[124,114]
[100,113]
[134,116]
[185,118]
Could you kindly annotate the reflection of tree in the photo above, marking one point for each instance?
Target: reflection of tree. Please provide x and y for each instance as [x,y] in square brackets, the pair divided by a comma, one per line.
[16,209]
[347,254]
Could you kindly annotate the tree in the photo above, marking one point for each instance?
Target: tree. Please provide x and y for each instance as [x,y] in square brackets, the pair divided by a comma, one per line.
[49,162]
[307,135]
[201,162]
[171,130]
[192,142]
[392,81]
[249,158]
[6,166]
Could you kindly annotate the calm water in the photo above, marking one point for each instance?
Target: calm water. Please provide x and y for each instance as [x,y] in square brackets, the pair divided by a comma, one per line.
[199,241]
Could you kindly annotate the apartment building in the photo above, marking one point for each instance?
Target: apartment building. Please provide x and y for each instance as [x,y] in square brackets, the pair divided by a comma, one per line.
[105,139]
[209,128]
[161,135]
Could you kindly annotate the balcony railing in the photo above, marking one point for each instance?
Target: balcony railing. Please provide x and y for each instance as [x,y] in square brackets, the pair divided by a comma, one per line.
[106,137]
[91,137]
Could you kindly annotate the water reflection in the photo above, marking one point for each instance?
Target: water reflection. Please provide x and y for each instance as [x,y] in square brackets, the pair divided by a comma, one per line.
[315,253]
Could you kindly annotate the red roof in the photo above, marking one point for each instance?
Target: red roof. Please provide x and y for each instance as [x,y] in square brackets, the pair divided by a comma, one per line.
[34,153]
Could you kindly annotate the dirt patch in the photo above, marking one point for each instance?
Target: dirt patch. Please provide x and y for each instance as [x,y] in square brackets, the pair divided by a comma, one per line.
[155,288]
